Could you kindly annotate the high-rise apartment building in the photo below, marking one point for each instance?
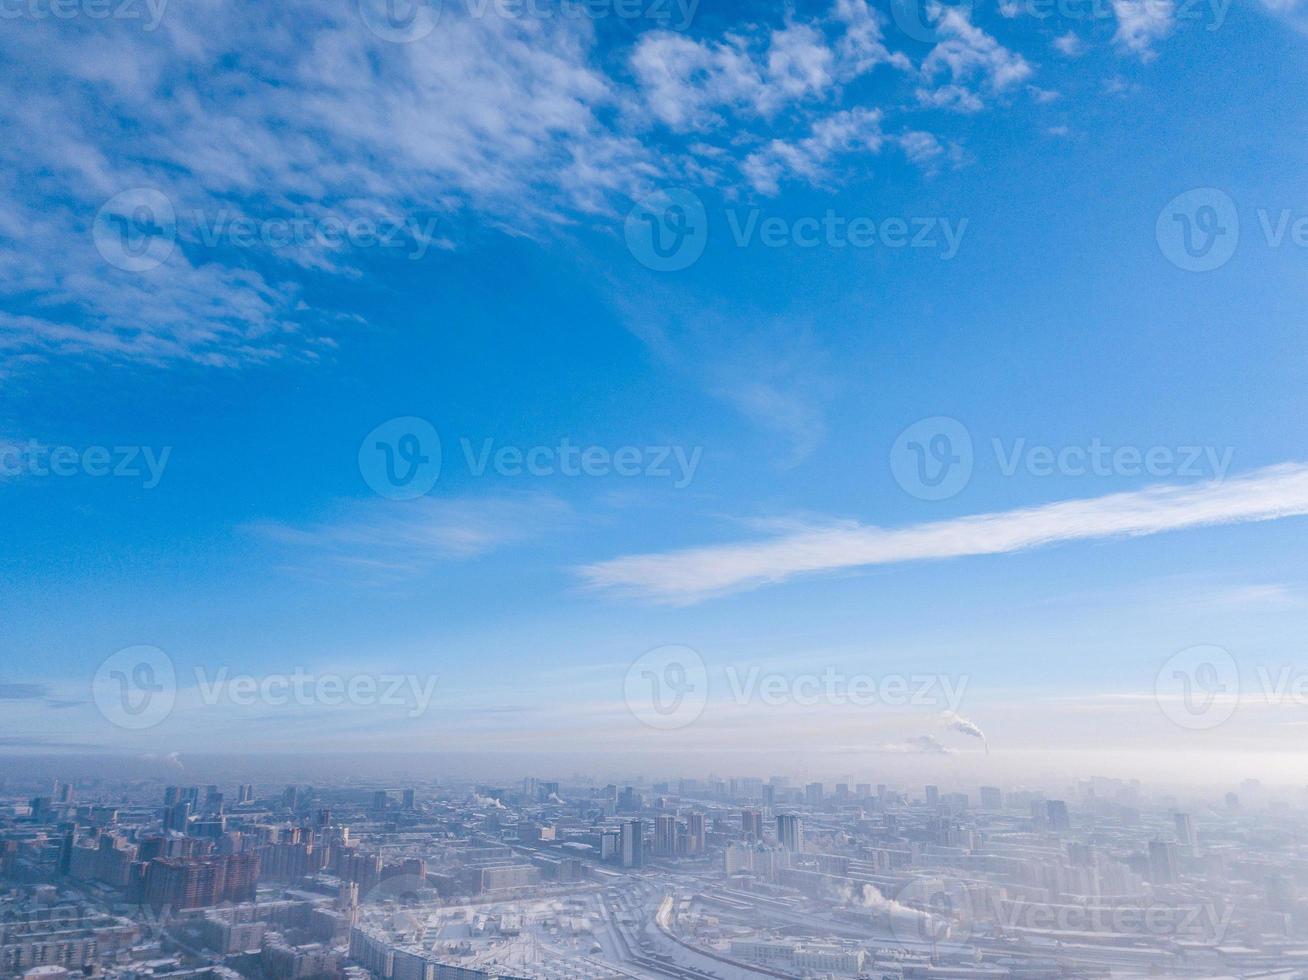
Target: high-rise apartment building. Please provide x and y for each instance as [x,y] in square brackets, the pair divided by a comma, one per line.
[696,838]
[665,835]
[632,844]
[790,832]
[751,825]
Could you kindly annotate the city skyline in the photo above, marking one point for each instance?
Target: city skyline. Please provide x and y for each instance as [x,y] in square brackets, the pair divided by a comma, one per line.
[398,875]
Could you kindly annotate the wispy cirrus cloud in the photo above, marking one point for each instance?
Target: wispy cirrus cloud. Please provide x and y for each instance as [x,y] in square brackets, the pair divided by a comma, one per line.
[694,574]
[387,540]
[915,745]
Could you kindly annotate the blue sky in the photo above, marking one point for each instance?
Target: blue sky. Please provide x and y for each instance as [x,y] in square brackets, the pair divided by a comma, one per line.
[349,225]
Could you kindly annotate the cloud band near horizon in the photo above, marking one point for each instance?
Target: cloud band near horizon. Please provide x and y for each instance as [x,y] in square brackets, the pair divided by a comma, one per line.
[693,574]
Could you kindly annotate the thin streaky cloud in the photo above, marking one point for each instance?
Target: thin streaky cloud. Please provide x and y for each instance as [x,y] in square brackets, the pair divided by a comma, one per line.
[401,539]
[694,574]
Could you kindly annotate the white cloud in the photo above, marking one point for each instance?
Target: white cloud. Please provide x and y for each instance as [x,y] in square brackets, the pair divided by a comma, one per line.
[916,745]
[525,121]
[691,85]
[799,63]
[697,573]
[862,45]
[1140,23]
[968,56]
[843,132]
[1069,45]
[920,147]
[953,97]
[309,113]
[686,82]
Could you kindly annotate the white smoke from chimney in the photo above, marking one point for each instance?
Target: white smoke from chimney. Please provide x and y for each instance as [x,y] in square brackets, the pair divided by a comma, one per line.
[956,722]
